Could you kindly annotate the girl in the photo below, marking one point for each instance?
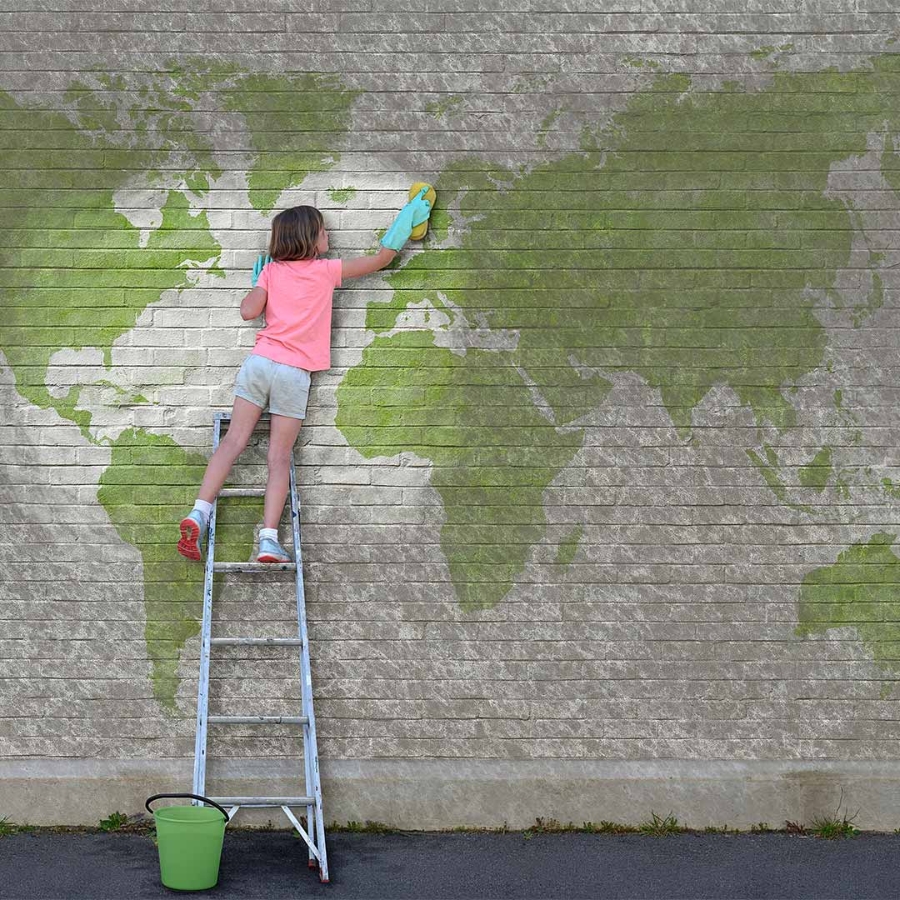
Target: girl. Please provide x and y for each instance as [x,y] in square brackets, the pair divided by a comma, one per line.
[295,289]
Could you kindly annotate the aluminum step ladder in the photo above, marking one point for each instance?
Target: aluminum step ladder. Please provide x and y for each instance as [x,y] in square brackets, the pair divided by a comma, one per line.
[312,793]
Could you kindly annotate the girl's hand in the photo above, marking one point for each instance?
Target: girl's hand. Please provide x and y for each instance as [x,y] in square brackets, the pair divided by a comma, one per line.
[258,266]
[414,213]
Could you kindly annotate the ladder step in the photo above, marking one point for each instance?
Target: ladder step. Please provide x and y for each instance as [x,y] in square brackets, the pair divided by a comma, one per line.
[225,416]
[258,720]
[264,419]
[253,567]
[264,801]
[258,642]
[242,492]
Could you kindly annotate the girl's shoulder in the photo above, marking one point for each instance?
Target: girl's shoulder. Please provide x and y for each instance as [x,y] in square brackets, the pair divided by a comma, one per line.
[319,268]
[303,265]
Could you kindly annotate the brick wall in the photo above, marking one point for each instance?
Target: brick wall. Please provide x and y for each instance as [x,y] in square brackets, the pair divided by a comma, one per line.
[599,494]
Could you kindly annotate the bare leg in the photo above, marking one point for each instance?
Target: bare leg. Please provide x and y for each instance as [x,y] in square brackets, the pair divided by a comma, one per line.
[244,417]
[281,448]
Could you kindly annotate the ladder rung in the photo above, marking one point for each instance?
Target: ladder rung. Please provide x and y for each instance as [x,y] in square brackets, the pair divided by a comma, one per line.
[253,567]
[264,801]
[225,416]
[242,492]
[258,720]
[259,642]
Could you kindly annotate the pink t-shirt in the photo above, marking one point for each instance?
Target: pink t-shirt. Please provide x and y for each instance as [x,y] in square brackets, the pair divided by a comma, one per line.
[298,312]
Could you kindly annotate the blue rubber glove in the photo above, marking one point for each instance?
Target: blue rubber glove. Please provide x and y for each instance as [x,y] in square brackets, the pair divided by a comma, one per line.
[423,211]
[414,213]
[261,261]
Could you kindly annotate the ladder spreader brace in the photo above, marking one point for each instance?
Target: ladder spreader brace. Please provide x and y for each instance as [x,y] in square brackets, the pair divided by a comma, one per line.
[312,795]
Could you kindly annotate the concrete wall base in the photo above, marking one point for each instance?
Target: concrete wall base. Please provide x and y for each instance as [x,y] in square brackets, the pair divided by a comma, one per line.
[438,794]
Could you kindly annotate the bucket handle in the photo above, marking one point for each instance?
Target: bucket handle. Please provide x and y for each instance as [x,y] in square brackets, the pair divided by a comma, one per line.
[189,796]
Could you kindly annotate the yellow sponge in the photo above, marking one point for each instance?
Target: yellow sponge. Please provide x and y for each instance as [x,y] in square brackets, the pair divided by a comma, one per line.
[421,230]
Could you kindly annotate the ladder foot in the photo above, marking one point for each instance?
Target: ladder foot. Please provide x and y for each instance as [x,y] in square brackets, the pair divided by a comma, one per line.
[313,864]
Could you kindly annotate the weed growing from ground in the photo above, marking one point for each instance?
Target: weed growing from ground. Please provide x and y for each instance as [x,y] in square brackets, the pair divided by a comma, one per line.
[7,828]
[368,827]
[833,828]
[836,825]
[660,827]
[114,822]
[480,829]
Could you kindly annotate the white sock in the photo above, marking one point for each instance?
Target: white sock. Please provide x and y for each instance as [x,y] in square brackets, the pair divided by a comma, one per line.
[270,533]
[204,509]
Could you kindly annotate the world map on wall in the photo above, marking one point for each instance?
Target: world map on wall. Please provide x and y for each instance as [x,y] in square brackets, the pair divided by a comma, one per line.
[693,240]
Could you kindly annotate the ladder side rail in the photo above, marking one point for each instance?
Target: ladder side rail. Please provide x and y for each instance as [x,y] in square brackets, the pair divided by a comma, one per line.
[314,815]
[304,700]
[205,635]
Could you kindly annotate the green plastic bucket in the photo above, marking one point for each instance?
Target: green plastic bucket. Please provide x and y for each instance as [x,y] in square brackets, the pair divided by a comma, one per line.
[189,840]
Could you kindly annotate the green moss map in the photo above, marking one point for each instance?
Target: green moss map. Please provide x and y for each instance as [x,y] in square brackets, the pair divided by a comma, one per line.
[688,242]
[862,590]
[147,487]
[75,273]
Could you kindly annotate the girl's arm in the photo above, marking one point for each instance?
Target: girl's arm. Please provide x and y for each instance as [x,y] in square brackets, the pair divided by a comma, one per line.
[253,304]
[365,265]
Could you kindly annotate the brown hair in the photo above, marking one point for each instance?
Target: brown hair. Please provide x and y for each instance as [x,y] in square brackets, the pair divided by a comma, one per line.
[295,232]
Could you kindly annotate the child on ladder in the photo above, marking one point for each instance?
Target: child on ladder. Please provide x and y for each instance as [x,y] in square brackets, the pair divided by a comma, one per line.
[294,288]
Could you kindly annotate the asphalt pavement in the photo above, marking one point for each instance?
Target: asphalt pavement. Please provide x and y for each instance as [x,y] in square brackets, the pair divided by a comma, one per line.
[272,864]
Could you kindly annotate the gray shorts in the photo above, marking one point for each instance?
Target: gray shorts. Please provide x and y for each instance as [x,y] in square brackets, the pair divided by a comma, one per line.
[283,389]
